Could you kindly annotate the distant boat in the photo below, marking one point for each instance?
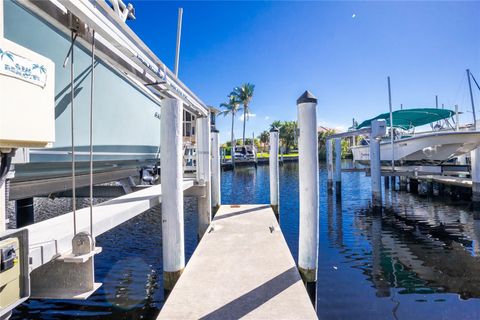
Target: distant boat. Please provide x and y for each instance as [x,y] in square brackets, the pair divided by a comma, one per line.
[443,143]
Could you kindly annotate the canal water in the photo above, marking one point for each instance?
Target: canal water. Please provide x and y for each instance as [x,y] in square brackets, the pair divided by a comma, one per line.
[417,259]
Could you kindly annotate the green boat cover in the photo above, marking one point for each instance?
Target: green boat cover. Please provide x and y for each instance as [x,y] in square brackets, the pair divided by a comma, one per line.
[408,118]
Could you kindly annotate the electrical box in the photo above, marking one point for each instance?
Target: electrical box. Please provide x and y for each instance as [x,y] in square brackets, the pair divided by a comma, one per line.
[27,97]
[379,129]
[14,274]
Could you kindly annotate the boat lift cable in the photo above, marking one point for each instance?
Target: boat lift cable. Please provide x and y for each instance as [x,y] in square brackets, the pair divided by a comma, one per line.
[72,118]
[69,51]
[92,82]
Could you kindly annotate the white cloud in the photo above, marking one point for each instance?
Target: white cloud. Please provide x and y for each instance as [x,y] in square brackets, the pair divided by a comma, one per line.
[267,118]
[250,115]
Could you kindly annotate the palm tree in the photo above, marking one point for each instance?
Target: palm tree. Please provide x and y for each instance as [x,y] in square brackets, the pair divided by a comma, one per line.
[244,94]
[232,106]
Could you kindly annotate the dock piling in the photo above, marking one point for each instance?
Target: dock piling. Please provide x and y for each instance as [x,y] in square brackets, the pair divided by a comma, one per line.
[329,165]
[375,166]
[204,174]
[338,166]
[216,189]
[172,198]
[274,173]
[308,190]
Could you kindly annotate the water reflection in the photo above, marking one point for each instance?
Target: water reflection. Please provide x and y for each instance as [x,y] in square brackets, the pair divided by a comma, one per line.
[415,259]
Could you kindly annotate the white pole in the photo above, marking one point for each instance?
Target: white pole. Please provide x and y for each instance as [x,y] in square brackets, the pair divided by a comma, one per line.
[308,191]
[391,123]
[274,173]
[216,188]
[391,132]
[329,164]
[338,165]
[172,198]
[204,174]
[375,168]
[179,36]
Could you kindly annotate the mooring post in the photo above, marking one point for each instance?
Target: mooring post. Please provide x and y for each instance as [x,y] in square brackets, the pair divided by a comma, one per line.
[216,188]
[274,173]
[308,192]
[172,198]
[24,211]
[338,166]
[329,165]
[203,174]
[378,128]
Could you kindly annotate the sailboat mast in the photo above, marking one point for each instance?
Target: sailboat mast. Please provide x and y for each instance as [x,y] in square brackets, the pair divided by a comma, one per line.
[391,122]
[471,99]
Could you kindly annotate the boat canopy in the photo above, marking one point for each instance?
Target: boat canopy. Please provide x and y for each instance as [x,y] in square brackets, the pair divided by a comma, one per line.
[408,118]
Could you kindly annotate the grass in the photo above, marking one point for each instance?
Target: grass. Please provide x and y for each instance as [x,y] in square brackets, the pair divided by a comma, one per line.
[264,155]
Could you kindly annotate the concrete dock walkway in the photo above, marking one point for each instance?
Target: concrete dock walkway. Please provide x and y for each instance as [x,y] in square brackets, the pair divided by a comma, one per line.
[242,268]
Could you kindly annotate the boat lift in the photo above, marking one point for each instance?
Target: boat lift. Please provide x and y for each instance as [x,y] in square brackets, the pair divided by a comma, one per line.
[55,258]
[376,131]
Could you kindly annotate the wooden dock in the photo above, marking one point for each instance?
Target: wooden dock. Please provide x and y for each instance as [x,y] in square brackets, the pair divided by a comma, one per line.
[242,267]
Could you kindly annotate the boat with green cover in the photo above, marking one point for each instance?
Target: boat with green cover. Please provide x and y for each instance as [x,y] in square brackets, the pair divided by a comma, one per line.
[443,142]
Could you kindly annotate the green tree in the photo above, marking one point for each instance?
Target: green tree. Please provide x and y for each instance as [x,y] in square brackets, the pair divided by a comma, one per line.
[232,106]
[264,139]
[244,94]
[287,133]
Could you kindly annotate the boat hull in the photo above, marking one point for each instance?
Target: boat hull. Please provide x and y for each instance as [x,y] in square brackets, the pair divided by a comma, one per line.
[126,119]
[431,148]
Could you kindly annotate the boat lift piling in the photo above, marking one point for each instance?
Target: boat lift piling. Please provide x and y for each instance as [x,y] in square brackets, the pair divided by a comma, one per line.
[308,191]
[172,198]
[378,129]
[204,174]
[274,173]
[329,157]
[216,167]
[338,166]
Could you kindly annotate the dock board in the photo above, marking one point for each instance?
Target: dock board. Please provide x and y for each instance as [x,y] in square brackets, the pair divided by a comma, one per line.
[242,268]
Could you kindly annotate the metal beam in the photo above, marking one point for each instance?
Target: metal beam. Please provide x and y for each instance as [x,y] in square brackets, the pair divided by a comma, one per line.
[363,131]
[52,238]
[27,189]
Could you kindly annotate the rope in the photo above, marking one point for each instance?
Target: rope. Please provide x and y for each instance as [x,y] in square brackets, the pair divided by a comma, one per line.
[72,118]
[91,133]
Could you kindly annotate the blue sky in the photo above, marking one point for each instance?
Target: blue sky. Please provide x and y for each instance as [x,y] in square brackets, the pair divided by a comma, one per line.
[340,51]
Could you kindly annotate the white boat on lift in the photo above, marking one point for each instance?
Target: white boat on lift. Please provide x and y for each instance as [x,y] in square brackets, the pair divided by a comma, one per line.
[130,84]
[442,144]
